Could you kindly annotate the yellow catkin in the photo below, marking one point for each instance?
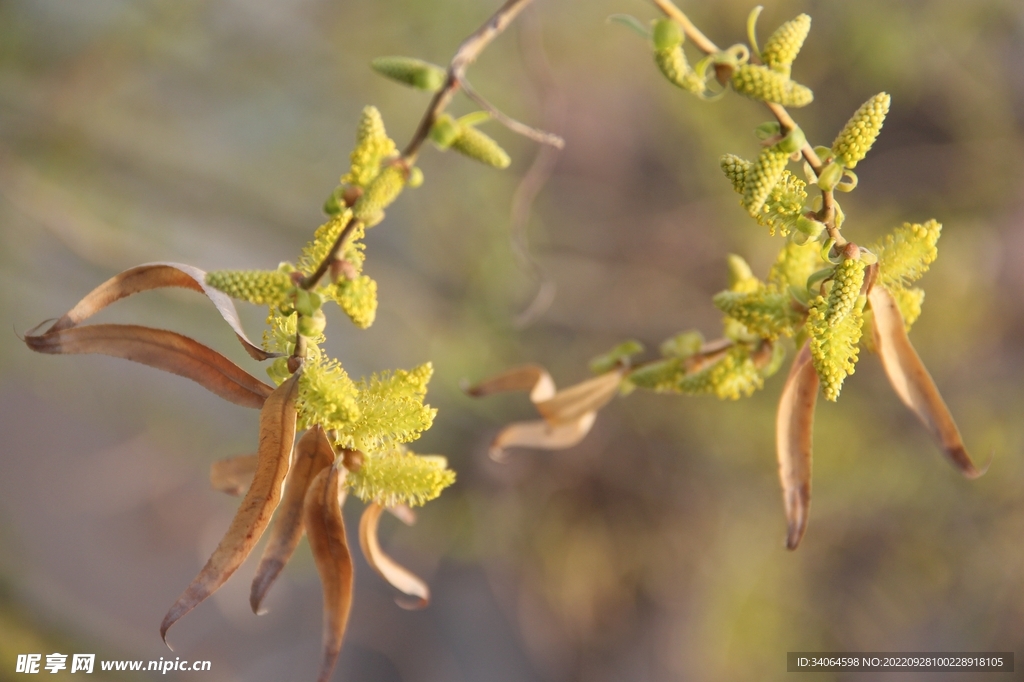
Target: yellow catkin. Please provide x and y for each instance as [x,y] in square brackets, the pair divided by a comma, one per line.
[762,177]
[761,83]
[846,284]
[834,349]
[263,287]
[784,45]
[860,132]
[372,146]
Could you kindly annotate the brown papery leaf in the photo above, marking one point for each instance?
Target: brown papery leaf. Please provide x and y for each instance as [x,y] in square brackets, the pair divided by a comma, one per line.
[161,349]
[399,577]
[532,378]
[794,424]
[541,434]
[157,276]
[911,381]
[313,453]
[589,396]
[325,529]
[233,475]
[277,433]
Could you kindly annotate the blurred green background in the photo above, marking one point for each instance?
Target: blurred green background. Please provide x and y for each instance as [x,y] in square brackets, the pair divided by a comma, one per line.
[210,133]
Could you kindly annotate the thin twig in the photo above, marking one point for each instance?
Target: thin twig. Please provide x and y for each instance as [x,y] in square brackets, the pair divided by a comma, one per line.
[467,53]
[515,126]
[309,282]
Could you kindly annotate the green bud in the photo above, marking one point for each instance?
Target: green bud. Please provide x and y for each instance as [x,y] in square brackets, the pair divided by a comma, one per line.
[766,130]
[667,34]
[335,203]
[809,226]
[761,83]
[740,273]
[413,72]
[830,176]
[312,325]
[306,302]
[794,141]
[415,177]
[860,132]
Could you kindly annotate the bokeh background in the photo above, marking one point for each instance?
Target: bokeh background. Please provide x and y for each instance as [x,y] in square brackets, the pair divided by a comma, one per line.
[209,132]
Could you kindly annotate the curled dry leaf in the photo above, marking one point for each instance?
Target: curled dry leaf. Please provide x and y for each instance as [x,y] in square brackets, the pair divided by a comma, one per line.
[541,434]
[533,378]
[313,454]
[277,433]
[161,349]
[399,577]
[568,414]
[325,529]
[912,382]
[587,397]
[233,475]
[403,513]
[793,427]
[157,276]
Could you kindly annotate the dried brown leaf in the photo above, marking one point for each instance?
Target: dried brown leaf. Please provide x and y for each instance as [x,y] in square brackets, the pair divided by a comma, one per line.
[233,475]
[574,402]
[533,378]
[313,454]
[325,529]
[161,349]
[277,434]
[541,434]
[156,276]
[911,381]
[793,428]
[403,513]
[400,578]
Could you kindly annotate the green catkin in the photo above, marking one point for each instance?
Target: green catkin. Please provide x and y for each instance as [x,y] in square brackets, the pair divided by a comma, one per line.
[397,476]
[477,145]
[730,377]
[762,177]
[784,45]
[372,146]
[784,205]
[384,189]
[846,285]
[673,65]
[263,287]
[327,396]
[410,71]
[736,169]
[761,83]
[860,132]
[834,349]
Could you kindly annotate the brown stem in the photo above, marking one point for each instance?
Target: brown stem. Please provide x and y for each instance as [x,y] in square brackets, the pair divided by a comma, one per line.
[515,126]
[467,53]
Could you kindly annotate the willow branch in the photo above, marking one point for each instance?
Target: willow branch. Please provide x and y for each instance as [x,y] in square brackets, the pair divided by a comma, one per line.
[468,51]
[827,215]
